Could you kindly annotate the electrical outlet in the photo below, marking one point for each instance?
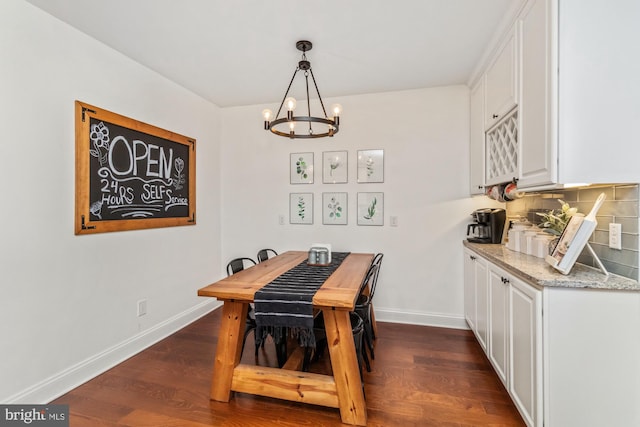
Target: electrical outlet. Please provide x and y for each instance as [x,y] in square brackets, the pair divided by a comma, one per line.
[142,307]
[615,236]
[394,221]
[281,219]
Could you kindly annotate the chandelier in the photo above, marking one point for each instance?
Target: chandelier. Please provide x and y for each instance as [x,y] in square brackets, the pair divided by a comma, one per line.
[312,126]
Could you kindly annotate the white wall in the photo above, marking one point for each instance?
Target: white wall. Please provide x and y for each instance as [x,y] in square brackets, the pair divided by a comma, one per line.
[424,134]
[68,303]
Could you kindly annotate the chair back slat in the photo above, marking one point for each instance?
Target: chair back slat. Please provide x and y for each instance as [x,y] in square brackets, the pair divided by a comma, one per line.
[263,254]
[238,264]
[377,262]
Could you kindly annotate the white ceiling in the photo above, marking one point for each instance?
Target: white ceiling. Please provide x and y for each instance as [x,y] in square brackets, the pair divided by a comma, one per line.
[242,52]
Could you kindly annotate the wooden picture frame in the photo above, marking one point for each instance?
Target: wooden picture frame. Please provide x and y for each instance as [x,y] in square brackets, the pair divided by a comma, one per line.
[131,175]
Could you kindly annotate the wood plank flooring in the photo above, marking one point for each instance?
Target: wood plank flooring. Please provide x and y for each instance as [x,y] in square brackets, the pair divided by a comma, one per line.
[421,376]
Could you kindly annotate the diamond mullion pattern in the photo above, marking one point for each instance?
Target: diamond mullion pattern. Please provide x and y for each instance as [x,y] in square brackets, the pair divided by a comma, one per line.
[502,149]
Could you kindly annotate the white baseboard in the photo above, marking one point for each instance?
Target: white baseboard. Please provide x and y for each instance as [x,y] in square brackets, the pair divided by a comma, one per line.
[64,381]
[421,318]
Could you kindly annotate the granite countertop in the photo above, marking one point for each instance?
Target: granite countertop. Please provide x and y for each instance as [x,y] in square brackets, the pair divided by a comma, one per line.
[537,272]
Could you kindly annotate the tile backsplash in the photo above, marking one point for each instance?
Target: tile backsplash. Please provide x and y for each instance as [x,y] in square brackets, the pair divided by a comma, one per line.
[621,206]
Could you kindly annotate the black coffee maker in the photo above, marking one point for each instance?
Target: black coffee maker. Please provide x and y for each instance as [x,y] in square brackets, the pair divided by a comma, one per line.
[487,227]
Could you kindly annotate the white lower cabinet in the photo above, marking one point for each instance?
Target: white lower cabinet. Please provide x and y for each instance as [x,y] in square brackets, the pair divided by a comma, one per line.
[499,322]
[476,304]
[568,356]
[512,341]
[525,350]
[515,322]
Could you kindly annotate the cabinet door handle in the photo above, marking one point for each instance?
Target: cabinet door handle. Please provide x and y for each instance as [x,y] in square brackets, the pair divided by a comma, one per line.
[472,257]
[505,280]
[495,116]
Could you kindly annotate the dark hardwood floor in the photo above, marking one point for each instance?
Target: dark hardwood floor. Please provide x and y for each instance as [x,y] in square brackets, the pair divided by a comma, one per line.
[421,376]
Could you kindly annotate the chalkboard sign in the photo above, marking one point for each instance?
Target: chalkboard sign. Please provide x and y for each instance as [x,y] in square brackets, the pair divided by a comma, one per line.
[130,175]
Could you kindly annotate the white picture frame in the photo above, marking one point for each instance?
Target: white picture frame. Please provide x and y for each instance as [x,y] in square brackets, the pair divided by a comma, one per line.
[371,208]
[370,166]
[334,208]
[301,208]
[301,168]
[335,167]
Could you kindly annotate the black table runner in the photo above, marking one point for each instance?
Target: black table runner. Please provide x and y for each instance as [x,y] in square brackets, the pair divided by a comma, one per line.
[286,303]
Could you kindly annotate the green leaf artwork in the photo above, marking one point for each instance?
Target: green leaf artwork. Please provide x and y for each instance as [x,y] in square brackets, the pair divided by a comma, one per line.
[333,165]
[371,210]
[301,207]
[301,168]
[370,163]
[335,208]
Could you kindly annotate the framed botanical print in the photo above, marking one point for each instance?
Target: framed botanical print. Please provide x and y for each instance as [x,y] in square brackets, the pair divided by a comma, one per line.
[370,208]
[370,166]
[334,167]
[301,168]
[334,208]
[301,208]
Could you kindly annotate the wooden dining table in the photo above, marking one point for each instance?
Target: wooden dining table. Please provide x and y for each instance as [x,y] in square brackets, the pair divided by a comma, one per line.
[335,298]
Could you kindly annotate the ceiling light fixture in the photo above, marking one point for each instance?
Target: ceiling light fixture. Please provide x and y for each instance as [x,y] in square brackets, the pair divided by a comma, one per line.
[318,127]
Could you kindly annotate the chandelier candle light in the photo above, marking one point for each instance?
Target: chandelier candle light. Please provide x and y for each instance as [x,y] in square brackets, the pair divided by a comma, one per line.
[332,124]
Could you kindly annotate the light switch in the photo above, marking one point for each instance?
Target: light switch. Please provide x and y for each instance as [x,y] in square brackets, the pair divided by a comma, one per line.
[615,236]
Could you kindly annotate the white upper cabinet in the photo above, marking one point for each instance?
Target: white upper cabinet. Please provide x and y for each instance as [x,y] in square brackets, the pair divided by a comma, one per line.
[502,150]
[580,92]
[501,82]
[598,90]
[538,142]
[476,139]
[567,67]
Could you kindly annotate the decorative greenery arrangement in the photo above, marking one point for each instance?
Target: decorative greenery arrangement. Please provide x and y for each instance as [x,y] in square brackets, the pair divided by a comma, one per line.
[556,220]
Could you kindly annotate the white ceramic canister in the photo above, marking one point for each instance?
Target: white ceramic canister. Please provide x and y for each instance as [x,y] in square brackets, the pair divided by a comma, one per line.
[518,240]
[518,236]
[511,241]
[542,245]
[529,237]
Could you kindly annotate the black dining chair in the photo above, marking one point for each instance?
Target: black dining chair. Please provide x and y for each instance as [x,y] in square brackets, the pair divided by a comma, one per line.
[265,254]
[365,309]
[234,266]
[239,264]
[357,329]
[362,312]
